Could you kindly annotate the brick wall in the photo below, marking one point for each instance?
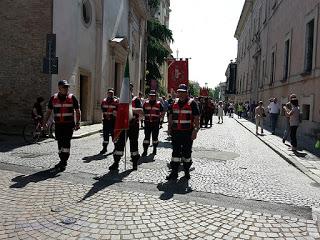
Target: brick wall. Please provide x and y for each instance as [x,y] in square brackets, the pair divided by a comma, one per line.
[23,29]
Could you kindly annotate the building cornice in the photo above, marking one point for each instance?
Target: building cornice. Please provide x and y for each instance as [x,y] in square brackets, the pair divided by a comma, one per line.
[246,11]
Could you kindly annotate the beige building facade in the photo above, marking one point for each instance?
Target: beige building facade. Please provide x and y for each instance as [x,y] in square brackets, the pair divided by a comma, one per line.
[163,15]
[93,39]
[278,54]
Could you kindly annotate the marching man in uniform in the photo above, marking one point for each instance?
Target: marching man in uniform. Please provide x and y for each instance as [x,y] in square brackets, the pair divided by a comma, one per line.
[183,127]
[153,112]
[133,134]
[63,104]
[109,113]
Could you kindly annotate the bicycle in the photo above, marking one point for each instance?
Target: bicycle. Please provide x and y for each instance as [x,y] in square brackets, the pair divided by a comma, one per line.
[34,132]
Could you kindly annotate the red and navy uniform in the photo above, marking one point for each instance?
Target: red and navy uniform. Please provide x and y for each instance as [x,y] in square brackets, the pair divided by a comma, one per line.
[109,108]
[132,134]
[63,107]
[152,113]
[183,113]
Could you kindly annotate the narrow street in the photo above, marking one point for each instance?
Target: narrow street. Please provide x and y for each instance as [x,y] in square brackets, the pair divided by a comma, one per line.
[239,189]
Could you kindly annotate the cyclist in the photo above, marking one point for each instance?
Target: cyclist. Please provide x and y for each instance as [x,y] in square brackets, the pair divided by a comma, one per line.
[37,113]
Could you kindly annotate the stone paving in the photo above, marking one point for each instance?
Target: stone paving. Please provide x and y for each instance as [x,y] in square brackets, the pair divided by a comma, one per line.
[302,159]
[54,209]
[228,160]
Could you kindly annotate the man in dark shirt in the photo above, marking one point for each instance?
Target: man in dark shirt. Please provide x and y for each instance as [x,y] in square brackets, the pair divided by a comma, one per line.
[153,112]
[63,105]
[132,134]
[183,127]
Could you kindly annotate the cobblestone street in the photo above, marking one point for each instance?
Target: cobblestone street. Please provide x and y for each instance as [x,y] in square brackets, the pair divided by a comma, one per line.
[239,189]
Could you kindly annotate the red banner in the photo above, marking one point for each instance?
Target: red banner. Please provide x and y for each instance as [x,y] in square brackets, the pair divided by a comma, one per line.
[204,92]
[177,73]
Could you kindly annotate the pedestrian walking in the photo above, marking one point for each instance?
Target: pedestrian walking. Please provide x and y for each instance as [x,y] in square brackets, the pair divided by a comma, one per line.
[183,127]
[231,110]
[211,111]
[274,110]
[165,106]
[142,100]
[153,112]
[63,104]
[286,132]
[109,112]
[132,134]
[294,120]
[240,109]
[259,116]
[220,112]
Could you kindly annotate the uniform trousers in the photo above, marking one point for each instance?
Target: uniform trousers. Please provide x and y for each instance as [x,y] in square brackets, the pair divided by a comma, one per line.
[151,128]
[108,129]
[63,134]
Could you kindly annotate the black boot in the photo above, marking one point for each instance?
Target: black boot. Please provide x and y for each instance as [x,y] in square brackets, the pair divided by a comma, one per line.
[154,150]
[135,162]
[104,149]
[61,166]
[115,165]
[186,168]
[174,171]
[145,151]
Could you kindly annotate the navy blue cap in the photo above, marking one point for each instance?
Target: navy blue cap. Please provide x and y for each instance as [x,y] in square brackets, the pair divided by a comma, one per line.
[63,83]
[152,93]
[182,88]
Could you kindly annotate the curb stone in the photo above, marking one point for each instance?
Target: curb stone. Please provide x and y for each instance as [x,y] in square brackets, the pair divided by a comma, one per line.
[285,156]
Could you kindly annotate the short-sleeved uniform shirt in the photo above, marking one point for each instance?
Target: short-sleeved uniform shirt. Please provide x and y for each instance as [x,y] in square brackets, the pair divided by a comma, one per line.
[62,98]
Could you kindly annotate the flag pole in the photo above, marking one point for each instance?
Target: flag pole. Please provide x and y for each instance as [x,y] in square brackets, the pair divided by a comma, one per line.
[125,149]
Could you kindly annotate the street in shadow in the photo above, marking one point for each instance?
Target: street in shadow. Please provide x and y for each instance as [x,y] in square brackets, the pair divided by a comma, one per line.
[22,180]
[9,143]
[96,157]
[300,154]
[164,145]
[171,188]
[146,159]
[105,181]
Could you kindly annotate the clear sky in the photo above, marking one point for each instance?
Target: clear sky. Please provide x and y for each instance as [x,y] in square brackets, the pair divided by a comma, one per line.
[203,30]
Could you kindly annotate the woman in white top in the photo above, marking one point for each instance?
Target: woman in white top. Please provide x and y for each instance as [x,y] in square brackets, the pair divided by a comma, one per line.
[220,112]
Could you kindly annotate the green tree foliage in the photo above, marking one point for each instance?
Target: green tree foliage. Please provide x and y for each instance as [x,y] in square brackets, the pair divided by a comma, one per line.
[194,88]
[158,36]
[215,93]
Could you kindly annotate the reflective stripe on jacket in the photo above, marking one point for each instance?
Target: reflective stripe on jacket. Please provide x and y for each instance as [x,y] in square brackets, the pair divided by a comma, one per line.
[152,112]
[182,118]
[63,110]
[109,108]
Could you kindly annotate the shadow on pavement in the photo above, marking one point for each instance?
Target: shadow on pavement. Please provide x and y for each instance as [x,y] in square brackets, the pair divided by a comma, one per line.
[105,181]
[174,187]
[9,143]
[95,157]
[146,159]
[22,180]
[164,145]
[300,154]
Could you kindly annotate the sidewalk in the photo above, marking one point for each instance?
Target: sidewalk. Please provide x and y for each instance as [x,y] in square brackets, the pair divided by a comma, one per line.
[87,130]
[305,161]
